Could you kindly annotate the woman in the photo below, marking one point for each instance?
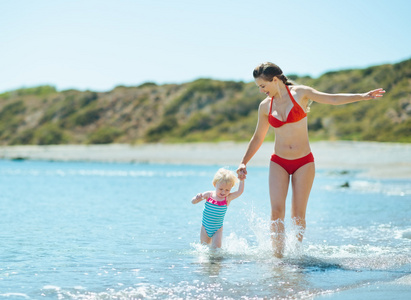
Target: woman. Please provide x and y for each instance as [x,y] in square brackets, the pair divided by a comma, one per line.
[285,108]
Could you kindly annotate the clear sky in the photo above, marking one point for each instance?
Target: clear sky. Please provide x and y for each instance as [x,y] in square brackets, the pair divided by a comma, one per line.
[99,44]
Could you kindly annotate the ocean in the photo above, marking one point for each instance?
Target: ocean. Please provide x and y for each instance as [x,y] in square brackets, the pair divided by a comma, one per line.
[84,230]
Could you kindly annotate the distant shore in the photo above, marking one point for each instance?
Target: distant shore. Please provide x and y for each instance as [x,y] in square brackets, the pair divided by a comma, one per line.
[381,160]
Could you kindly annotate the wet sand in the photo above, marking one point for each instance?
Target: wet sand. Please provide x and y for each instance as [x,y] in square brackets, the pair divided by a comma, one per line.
[381,160]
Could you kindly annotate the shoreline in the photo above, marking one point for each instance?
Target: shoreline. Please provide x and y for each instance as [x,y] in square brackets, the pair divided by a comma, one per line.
[372,159]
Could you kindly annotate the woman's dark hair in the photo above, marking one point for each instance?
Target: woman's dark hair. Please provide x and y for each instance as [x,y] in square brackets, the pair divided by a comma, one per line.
[268,71]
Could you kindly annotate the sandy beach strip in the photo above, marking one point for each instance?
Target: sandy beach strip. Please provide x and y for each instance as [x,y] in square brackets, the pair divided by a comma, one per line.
[382,160]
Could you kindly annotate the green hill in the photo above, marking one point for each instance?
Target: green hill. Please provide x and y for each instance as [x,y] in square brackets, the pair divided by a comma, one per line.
[203,110]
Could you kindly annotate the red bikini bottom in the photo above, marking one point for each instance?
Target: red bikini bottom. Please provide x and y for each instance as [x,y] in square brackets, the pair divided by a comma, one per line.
[292,165]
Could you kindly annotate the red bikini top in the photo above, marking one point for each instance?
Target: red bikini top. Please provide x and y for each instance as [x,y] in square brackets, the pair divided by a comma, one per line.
[296,113]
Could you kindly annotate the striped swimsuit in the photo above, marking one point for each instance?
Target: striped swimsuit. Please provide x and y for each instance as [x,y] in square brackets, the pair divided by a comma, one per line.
[213,215]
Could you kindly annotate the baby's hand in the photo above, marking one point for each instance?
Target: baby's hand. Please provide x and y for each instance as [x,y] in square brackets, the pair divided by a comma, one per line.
[242,176]
[197,198]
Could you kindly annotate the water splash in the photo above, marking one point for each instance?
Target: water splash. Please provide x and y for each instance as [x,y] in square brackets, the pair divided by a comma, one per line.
[259,245]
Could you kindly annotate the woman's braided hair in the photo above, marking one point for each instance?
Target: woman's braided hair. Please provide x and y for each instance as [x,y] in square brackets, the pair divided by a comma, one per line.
[268,71]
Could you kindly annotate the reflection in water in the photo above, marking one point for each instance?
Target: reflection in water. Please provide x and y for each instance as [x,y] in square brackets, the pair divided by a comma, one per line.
[210,261]
[312,264]
[213,266]
[282,279]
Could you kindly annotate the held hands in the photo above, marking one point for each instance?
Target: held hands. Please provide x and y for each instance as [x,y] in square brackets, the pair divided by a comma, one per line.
[242,171]
[378,93]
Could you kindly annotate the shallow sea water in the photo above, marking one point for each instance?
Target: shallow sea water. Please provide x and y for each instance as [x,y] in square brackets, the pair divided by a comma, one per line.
[77,230]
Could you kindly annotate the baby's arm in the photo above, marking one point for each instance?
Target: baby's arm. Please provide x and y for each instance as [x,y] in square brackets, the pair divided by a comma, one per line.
[237,193]
[200,197]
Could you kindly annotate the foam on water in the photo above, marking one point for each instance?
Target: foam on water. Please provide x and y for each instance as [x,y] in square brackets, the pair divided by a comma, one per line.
[405,280]
[14,296]
[284,276]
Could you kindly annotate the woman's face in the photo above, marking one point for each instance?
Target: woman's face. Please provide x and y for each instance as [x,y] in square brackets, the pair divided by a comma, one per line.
[266,87]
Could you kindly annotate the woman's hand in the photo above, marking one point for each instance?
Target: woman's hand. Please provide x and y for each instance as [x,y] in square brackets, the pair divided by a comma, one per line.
[378,93]
[242,171]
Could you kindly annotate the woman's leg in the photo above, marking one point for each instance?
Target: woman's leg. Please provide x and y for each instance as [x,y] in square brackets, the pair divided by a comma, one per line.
[279,180]
[302,182]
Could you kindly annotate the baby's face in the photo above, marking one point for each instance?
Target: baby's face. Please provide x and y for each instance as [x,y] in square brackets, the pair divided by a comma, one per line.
[223,189]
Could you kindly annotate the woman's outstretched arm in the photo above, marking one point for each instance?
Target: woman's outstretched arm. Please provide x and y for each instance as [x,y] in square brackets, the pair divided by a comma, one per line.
[338,99]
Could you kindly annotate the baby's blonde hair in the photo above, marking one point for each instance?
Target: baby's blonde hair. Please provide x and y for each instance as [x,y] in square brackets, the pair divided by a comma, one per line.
[226,176]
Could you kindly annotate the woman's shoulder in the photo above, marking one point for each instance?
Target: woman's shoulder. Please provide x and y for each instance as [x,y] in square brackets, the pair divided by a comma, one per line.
[265,102]
[265,105]
[298,87]
[300,91]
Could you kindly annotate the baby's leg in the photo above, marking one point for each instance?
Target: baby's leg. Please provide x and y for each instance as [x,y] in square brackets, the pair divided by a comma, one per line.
[204,238]
[218,238]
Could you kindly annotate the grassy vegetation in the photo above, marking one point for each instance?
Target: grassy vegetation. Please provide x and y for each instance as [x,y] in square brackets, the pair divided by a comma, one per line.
[203,110]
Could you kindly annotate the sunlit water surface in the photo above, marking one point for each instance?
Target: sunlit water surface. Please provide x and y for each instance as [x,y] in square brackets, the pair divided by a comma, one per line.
[129,231]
